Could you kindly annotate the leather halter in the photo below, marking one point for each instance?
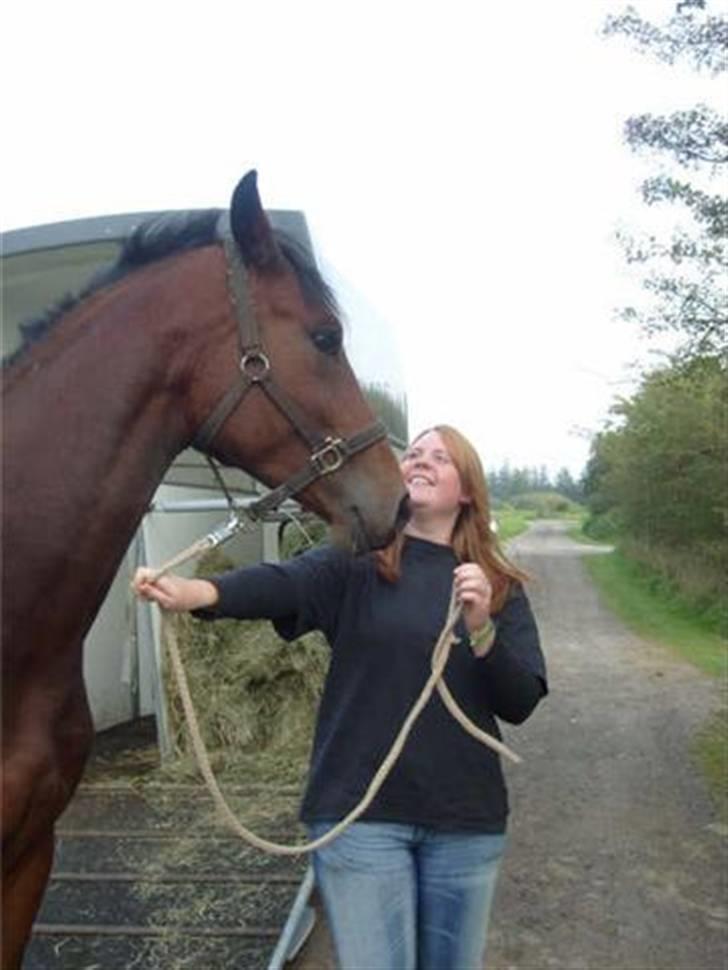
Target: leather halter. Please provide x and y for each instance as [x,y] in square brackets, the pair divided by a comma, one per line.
[328,453]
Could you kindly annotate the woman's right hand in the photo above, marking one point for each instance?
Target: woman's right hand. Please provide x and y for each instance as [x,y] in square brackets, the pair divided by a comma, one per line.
[174,593]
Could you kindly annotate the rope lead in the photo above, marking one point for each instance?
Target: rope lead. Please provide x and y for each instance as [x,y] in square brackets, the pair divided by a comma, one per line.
[440,655]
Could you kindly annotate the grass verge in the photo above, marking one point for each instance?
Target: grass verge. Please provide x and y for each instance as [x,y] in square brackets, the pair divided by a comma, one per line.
[576,532]
[711,752]
[511,522]
[653,613]
[658,615]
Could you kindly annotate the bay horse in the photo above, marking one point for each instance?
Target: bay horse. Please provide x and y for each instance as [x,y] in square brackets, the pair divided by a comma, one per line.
[234,346]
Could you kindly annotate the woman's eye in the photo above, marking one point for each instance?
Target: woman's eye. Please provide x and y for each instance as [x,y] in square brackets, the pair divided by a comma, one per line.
[327,341]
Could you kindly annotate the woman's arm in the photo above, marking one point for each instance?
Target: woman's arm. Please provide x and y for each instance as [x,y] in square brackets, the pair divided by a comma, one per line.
[252,593]
[513,690]
[174,593]
[514,670]
[300,594]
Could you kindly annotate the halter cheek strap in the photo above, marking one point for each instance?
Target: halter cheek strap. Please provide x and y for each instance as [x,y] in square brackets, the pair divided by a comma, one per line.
[328,453]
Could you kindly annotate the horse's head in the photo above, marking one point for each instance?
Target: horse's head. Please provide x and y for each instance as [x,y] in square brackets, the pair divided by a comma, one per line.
[287,405]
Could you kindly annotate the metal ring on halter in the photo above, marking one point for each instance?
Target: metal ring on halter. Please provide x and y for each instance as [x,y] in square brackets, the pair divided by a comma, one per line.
[330,456]
[328,453]
[255,365]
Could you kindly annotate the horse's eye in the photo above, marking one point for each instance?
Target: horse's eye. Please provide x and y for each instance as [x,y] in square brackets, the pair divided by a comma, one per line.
[328,341]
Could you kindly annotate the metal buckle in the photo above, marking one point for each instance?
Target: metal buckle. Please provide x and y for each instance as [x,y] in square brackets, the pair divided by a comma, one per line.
[255,365]
[224,532]
[329,457]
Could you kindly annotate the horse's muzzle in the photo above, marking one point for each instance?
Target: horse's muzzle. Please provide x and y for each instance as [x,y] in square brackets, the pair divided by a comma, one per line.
[403,514]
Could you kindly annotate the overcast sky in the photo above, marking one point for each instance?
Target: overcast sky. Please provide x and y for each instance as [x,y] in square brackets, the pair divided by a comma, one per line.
[460,165]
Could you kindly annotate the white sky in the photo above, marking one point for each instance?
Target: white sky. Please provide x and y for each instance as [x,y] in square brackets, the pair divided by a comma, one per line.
[460,165]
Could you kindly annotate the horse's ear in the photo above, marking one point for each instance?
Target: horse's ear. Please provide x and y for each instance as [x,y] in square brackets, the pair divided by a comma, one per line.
[250,226]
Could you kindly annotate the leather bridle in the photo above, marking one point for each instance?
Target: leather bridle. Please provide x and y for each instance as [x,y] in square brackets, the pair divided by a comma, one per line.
[328,452]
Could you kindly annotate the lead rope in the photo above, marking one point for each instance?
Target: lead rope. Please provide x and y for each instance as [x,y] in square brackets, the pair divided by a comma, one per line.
[213,539]
[440,655]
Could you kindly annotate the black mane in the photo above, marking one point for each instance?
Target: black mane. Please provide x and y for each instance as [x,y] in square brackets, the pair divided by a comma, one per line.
[162,236]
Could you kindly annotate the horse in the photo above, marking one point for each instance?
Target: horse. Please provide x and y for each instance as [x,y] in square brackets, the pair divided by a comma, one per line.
[213,330]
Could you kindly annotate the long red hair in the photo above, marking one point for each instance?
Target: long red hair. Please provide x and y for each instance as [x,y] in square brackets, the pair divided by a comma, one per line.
[472,540]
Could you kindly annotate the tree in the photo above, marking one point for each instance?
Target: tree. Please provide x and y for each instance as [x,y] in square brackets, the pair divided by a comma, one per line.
[690,34]
[390,408]
[658,471]
[565,485]
[685,275]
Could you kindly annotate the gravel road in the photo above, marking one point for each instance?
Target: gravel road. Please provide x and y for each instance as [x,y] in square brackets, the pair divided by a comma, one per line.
[617,860]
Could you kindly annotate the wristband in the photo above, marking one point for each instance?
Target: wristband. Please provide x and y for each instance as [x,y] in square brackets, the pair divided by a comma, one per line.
[482,640]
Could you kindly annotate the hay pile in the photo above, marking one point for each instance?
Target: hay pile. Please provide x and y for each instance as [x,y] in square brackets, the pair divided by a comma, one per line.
[256,696]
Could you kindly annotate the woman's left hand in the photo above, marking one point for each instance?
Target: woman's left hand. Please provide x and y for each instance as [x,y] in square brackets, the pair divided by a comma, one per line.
[474,592]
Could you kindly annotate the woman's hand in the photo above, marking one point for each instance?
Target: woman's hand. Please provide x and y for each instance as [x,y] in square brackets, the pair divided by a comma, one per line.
[174,593]
[474,592]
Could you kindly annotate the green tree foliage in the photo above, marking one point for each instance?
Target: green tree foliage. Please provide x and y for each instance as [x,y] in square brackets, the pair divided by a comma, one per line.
[390,409]
[658,472]
[506,483]
[696,136]
[691,35]
[684,275]
[565,485]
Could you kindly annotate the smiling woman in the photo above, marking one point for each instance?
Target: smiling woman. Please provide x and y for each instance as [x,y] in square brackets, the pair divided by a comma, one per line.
[434,486]
[438,822]
[450,499]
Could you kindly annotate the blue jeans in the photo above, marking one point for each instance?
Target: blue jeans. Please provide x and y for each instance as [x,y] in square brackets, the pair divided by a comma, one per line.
[400,897]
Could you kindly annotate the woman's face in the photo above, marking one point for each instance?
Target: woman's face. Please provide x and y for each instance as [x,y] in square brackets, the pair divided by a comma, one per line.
[432,480]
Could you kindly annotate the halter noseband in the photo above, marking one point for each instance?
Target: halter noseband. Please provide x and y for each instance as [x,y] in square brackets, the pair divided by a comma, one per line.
[328,453]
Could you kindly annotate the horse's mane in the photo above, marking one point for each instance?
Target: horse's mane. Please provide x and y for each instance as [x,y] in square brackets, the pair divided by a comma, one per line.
[166,235]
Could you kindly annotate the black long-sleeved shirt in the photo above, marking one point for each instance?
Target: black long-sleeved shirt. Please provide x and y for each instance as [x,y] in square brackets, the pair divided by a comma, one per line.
[381,637]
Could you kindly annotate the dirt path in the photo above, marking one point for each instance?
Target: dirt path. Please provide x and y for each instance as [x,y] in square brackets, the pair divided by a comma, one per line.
[616,858]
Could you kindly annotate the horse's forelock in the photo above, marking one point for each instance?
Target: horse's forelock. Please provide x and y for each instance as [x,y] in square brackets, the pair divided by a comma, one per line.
[314,287]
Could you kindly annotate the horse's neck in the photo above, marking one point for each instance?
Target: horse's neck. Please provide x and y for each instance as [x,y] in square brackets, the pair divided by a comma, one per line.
[92,424]
[99,410]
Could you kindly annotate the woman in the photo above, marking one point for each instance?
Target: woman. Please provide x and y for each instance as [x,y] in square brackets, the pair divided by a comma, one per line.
[411,883]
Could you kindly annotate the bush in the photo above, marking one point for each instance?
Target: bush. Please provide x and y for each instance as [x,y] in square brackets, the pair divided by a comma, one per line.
[545,504]
[602,526]
[697,576]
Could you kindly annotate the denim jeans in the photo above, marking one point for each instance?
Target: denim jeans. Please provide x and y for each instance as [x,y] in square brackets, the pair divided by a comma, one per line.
[400,897]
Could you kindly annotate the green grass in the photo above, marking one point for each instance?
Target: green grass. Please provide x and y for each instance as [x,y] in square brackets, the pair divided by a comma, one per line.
[652,612]
[658,615]
[711,752]
[511,522]
[577,533]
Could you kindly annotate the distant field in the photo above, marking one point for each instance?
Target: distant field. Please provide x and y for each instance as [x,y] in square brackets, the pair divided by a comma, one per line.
[512,521]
